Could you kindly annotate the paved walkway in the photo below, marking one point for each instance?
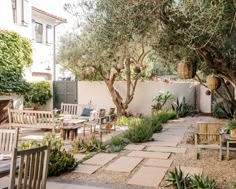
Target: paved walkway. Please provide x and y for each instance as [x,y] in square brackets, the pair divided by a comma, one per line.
[146,163]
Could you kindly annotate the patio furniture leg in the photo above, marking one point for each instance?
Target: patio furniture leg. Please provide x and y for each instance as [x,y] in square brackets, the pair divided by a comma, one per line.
[227,149]
[220,158]
[196,153]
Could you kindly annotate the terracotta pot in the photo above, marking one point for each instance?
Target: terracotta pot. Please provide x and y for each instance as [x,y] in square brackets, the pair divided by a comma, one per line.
[36,106]
[233,133]
[186,69]
[213,82]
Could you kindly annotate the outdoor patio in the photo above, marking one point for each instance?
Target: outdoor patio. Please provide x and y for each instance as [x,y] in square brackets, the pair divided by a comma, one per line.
[145,165]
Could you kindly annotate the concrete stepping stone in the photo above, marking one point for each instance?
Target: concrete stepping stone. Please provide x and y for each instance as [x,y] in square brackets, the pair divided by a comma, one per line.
[79,157]
[138,147]
[148,176]
[124,164]
[142,154]
[159,143]
[191,170]
[87,169]
[167,149]
[100,159]
[158,162]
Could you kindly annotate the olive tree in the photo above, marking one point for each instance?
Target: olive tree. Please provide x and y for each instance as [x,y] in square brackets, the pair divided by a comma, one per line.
[114,39]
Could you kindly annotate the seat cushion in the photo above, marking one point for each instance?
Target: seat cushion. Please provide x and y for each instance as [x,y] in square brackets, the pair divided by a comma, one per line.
[86,112]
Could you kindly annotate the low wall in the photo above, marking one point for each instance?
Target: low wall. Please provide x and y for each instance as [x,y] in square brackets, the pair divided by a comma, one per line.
[17,100]
[98,93]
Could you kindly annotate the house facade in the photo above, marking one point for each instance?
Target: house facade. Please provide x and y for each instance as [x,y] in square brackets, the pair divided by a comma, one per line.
[38,26]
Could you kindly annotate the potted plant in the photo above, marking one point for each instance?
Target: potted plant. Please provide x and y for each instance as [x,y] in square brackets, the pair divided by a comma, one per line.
[232,128]
[39,94]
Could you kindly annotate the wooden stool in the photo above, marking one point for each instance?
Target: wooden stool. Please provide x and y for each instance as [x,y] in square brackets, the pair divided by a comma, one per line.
[69,132]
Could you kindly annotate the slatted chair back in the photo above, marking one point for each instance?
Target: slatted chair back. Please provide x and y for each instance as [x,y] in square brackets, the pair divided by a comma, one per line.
[76,109]
[8,139]
[208,133]
[33,168]
[32,119]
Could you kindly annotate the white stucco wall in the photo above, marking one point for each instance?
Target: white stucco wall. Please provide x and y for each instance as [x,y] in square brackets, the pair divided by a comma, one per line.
[17,100]
[98,93]
[203,100]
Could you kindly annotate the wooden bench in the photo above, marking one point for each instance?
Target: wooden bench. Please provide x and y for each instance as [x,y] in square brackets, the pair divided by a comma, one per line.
[32,119]
[208,136]
[75,110]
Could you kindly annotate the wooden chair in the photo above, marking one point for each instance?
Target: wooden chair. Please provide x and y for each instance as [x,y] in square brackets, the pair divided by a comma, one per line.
[111,119]
[33,168]
[8,139]
[208,136]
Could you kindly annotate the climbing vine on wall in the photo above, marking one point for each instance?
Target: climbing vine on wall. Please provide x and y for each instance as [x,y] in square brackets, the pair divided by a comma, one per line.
[15,55]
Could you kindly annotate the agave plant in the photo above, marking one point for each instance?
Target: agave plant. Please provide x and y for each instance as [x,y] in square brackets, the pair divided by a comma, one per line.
[177,178]
[182,109]
[202,182]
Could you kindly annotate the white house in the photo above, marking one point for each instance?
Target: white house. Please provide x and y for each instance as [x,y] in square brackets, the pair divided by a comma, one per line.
[40,27]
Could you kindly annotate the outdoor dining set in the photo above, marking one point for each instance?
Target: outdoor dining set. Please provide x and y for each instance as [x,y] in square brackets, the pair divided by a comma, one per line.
[28,168]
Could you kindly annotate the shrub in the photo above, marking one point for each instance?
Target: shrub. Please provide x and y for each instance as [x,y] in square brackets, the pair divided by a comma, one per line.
[140,131]
[182,109]
[116,143]
[87,144]
[177,178]
[164,116]
[202,182]
[60,161]
[156,124]
[15,54]
[221,110]
[122,120]
[40,93]
[161,100]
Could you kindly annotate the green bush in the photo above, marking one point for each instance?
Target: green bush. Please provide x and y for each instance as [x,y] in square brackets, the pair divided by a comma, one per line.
[116,143]
[40,93]
[182,109]
[126,121]
[15,54]
[202,182]
[60,161]
[179,180]
[156,124]
[140,131]
[221,110]
[161,100]
[87,144]
[164,116]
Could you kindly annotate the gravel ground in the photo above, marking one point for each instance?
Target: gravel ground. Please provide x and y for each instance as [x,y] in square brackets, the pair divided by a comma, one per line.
[224,172]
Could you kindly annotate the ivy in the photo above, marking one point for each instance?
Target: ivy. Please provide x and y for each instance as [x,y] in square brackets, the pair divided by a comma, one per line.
[15,54]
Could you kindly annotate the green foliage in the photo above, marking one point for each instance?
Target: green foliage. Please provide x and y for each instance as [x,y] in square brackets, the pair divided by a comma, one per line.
[87,144]
[164,116]
[161,100]
[221,110]
[15,54]
[116,143]
[232,124]
[60,161]
[40,93]
[156,124]
[232,185]
[140,131]
[182,109]
[125,121]
[202,182]
[177,178]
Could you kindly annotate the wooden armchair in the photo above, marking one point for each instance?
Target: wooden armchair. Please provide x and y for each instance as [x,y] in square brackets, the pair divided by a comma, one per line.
[208,136]
[33,168]
[8,139]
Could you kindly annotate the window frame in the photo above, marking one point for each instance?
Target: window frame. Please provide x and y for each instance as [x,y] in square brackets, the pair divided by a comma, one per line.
[37,34]
[48,28]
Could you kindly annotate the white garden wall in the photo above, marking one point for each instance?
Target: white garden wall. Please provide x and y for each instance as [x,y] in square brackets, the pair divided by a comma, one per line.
[98,93]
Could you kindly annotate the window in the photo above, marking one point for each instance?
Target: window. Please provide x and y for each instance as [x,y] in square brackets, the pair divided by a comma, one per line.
[25,12]
[49,34]
[38,32]
[14,10]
